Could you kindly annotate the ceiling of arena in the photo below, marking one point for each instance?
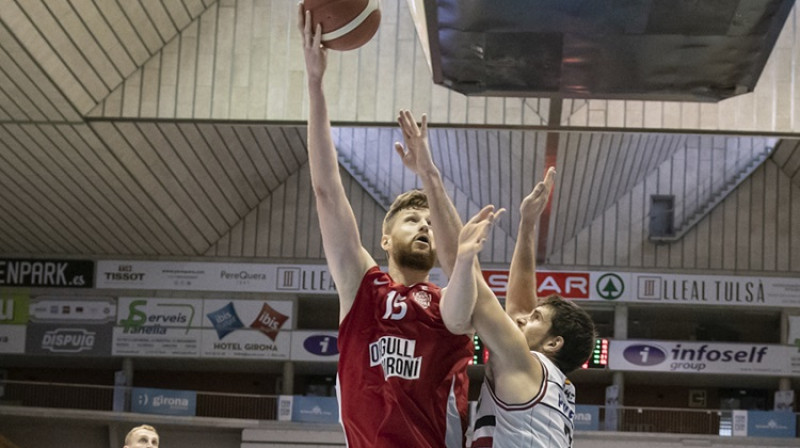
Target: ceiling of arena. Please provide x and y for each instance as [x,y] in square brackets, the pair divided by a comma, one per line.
[85,171]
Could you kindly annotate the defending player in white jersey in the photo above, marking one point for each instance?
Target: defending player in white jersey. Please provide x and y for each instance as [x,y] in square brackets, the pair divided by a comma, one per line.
[527,399]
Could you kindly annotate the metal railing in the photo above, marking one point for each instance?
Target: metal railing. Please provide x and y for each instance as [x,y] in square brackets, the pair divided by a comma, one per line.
[57,395]
[101,398]
[661,420]
[265,407]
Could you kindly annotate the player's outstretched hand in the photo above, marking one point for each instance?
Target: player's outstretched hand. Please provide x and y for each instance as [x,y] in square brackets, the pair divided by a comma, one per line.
[315,54]
[476,230]
[534,204]
[416,153]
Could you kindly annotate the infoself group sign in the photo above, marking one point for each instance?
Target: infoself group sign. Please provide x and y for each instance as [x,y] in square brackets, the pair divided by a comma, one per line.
[700,357]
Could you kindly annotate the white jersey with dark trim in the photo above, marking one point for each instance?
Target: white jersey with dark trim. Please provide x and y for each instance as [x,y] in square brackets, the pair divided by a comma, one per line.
[546,421]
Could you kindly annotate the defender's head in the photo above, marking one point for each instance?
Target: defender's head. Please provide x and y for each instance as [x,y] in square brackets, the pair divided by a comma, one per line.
[407,237]
[561,330]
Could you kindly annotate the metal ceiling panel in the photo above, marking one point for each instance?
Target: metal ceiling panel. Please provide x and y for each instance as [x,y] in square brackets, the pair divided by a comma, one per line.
[58,60]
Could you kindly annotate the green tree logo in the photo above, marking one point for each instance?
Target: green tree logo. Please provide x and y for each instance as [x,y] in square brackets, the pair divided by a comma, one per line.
[610,286]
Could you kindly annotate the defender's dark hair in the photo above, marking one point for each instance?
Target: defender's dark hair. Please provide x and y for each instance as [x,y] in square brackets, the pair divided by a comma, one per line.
[409,199]
[574,324]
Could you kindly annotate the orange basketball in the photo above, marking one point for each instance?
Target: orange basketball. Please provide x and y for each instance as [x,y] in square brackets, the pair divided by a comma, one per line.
[346,24]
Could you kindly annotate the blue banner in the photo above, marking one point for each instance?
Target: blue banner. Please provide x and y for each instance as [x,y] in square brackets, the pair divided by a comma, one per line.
[771,424]
[587,417]
[163,401]
[315,409]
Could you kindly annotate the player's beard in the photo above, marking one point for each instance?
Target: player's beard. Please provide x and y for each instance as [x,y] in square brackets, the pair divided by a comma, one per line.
[419,260]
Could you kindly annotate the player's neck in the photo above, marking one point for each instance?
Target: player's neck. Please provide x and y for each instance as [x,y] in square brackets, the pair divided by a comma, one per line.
[407,276]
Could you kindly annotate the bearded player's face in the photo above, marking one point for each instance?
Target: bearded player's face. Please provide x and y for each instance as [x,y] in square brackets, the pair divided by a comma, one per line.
[410,240]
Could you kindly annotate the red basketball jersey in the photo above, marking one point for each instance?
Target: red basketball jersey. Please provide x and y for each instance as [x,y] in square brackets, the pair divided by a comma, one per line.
[402,379]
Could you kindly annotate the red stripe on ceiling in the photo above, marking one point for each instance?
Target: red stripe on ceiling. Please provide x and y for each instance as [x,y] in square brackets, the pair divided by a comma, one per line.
[550,156]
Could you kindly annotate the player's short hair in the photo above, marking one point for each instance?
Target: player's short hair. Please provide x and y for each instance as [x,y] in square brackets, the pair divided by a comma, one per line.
[574,324]
[415,199]
[128,437]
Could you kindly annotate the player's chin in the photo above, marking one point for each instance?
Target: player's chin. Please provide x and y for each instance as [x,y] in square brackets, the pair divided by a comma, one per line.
[418,259]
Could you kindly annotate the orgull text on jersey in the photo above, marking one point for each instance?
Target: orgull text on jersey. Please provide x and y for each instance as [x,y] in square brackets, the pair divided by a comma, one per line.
[396,357]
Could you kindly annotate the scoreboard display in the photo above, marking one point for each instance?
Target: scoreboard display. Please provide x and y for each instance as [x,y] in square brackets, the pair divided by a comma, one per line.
[598,360]
[481,353]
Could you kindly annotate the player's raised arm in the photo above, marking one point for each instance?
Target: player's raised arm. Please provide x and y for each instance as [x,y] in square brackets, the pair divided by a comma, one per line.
[416,155]
[347,258]
[469,303]
[521,298]
[462,291]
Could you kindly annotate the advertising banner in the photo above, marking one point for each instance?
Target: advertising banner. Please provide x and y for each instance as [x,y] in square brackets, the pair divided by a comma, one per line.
[771,424]
[163,401]
[794,331]
[157,327]
[315,346]
[75,310]
[704,357]
[315,409]
[68,339]
[658,288]
[784,401]
[69,326]
[198,276]
[570,285]
[739,425]
[247,329]
[46,273]
[711,290]
[12,339]
[14,306]
[587,417]
[285,403]
[612,408]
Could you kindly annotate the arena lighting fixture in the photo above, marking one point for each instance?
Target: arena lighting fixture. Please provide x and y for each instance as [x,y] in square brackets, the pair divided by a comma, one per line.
[626,49]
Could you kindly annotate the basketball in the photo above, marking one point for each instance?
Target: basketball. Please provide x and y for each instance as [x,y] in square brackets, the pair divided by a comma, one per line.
[346,24]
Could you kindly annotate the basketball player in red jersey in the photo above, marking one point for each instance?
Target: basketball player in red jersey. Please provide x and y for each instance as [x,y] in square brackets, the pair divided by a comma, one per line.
[526,399]
[402,378]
